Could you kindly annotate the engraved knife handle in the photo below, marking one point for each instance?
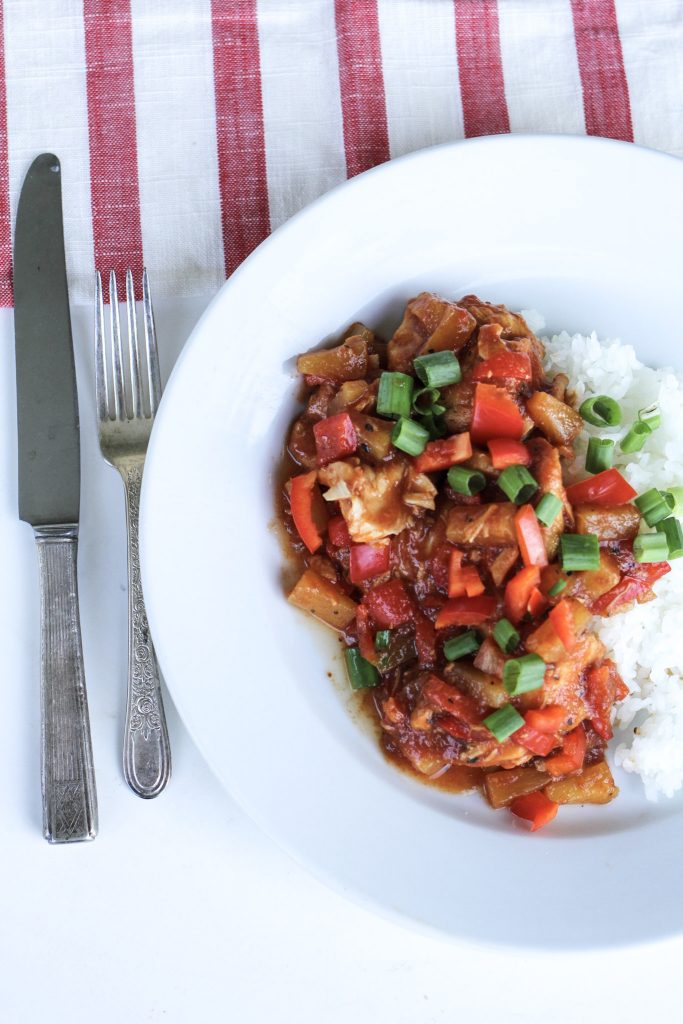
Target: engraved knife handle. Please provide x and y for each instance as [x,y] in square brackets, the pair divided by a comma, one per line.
[146,747]
[67,772]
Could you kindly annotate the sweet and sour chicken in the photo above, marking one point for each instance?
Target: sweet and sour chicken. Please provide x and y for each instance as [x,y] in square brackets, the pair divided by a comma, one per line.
[427,503]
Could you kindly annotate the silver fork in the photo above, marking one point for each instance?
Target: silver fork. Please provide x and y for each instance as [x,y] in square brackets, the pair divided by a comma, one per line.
[127,400]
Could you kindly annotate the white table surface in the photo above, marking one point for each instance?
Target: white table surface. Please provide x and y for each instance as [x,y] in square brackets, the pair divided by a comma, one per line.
[182,910]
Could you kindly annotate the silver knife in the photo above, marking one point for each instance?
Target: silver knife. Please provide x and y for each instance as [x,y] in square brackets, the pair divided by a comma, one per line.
[49,497]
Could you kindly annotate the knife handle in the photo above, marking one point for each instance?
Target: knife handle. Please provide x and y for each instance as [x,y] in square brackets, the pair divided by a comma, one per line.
[67,771]
[146,746]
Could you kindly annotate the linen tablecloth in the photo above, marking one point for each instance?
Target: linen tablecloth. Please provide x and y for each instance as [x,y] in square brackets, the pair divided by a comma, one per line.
[190,129]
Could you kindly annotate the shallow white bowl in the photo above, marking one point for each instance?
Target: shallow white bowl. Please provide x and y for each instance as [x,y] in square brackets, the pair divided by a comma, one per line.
[585,230]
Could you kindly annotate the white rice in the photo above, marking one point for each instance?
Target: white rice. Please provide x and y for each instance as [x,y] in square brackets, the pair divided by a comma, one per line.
[647,641]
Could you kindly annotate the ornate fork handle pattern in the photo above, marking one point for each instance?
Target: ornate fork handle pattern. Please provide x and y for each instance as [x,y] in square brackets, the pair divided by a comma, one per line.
[146,748]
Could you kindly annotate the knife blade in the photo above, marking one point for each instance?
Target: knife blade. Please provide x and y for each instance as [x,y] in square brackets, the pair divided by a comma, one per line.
[49,496]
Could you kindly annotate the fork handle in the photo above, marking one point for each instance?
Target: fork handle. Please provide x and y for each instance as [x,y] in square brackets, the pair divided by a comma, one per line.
[146,748]
[67,772]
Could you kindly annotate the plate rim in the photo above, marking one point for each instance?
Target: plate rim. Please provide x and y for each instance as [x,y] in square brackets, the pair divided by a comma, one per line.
[313,867]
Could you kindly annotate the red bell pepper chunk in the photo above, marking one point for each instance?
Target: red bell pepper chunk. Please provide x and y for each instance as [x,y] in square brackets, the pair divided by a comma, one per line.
[604,686]
[389,604]
[465,611]
[529,537]
[368,560]
[606,488]
[633,585]
[338,532]
[548,719]
[536,808]
[507,452]
[538,603]
[463,580]
[335,438]
[540,743]
[504,366]
[445,697]
[301,497]
[444,454]
[570,758]
[622,690]
[518,592]
[366,639]
[563,624]
[495,414]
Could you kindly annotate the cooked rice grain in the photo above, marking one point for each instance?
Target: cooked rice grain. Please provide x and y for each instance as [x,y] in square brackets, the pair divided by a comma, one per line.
[646,642]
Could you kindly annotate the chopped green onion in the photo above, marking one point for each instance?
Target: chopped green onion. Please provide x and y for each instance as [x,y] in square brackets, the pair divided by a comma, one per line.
[579,551]
[382,639]
[409,436]
[636,437]
[548,508]
[466,481]
[523,674]
[503,722]
[652,506]
[674,499]
[651,547]
[506,636]
[599,455]
[651,416]
[671,528]
[601,411]
[438,369]
[517,483]
[459,646]
[557,588]
[427,400]
[362,675]
[433,423]
[395,395]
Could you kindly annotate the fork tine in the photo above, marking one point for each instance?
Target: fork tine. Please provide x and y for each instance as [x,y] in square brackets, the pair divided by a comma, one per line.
[133,344]
[101,388]
[153,376]
[119,394]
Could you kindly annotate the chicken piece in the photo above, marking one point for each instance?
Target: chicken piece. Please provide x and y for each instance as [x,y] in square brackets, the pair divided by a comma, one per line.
[442,708]
[608,522]
[481,683]
[557,420]
[502,564]
[513,325]
[348,361]
[483,525]
[377,502]
[430,324]
[563,682]
[353,395]
[459,402]
[318,404]
[586,585]
[546,469]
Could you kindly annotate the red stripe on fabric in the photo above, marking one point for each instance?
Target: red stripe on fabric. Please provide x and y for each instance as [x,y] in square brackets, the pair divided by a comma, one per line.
[364,109]
[480,68]
[5,221]
[606,103]
[239,127]
[117,231]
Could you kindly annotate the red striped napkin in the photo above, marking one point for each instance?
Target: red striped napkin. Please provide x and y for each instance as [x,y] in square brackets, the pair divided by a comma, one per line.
[189,129]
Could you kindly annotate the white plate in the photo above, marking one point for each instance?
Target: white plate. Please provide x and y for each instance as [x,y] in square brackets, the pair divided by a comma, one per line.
[587,231]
